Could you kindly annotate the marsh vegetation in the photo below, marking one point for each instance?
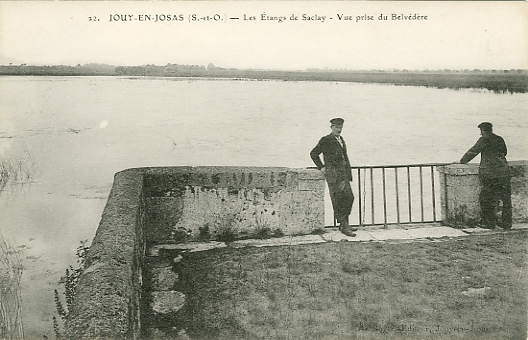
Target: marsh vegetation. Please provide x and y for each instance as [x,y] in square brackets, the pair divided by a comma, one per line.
[13,169]
[10,299]
[16,168]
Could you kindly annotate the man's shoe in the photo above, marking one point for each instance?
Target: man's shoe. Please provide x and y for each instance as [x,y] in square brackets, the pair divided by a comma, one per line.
[505,224]
[345,225]
[347,230]
[486,226]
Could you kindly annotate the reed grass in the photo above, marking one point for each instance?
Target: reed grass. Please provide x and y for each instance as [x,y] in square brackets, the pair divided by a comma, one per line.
[16,168]
[10,296]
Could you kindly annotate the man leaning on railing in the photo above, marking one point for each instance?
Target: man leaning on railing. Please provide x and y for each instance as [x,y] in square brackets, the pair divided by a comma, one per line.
[494,174]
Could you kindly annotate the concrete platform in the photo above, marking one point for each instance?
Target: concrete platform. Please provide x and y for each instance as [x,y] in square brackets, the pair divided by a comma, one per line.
[186,247]
[477,230]
[335,235]
[435,232]
[396,233]
[519,226]
[280,241]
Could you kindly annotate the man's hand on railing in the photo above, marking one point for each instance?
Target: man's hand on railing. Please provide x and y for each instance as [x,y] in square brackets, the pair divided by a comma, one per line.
[323,170]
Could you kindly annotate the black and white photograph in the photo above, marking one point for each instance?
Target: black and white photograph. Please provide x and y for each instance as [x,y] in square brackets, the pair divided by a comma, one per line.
[263,170]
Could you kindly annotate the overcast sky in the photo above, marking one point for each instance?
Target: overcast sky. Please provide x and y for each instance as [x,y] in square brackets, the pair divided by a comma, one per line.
[456,35]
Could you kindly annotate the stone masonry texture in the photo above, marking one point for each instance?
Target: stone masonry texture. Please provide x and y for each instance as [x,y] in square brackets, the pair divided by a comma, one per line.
[189,204]
[460,193]
[148,206]
[166,207]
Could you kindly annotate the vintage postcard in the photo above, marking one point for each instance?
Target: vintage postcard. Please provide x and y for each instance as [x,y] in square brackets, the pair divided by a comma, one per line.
[263,169]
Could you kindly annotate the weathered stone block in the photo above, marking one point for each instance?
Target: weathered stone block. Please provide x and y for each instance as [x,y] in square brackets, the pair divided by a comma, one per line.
[163,278]
[460,189]
[317,186]
[302,212]
[167,302]
[520,191]
[236,202]
[162,214]
[310,174]
[190,247]
[213,211]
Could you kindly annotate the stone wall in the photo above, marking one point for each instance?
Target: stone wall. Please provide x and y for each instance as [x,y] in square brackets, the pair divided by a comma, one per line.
[174,204]
[108,294]
[223,203]
[460,189]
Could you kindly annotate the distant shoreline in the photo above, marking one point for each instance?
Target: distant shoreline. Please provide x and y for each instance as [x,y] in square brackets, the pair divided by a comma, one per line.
[499,81]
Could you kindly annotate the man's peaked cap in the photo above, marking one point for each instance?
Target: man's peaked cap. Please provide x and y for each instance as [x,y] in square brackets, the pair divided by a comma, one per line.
[485,126]
[337,121]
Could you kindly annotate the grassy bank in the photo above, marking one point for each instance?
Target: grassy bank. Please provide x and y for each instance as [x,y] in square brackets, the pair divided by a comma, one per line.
[496,82]
[10,300]
[465,288]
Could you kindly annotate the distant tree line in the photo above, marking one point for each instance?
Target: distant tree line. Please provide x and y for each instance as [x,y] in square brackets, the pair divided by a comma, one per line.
[513,71]
[514,80]
[111,70]
[58,70]
[178,70]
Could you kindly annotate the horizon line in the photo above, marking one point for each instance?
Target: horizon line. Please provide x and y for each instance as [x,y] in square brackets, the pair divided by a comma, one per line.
[392,69]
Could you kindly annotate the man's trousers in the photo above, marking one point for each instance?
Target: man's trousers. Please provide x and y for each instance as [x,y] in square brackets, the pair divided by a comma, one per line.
[342,200]
[492,191]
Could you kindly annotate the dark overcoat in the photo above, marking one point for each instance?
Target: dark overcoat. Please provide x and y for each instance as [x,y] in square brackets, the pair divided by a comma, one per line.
[493,150]
[335,159]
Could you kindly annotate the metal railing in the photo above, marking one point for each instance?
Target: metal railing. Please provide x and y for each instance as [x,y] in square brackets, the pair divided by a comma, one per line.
[394,194]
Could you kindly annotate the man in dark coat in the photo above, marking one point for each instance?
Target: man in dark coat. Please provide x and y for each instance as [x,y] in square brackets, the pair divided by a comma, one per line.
[336,169]
[494,174]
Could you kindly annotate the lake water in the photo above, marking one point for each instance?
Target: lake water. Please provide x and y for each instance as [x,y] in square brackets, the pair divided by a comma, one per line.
[75,133]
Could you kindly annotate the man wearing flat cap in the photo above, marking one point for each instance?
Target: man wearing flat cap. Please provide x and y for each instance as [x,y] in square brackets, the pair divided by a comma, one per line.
[495,175]
[336,169]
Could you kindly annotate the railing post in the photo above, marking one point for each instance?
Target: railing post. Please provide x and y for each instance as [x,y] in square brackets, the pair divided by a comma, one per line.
[384,198]
[397,194]
[421,194]
[372,192]
[433,192]
[359,194]
[409,192]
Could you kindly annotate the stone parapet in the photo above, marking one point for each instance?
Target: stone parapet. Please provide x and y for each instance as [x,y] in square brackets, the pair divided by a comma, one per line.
[460,189]
[147,206]
[174,205]
[108,293]
[227,203]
